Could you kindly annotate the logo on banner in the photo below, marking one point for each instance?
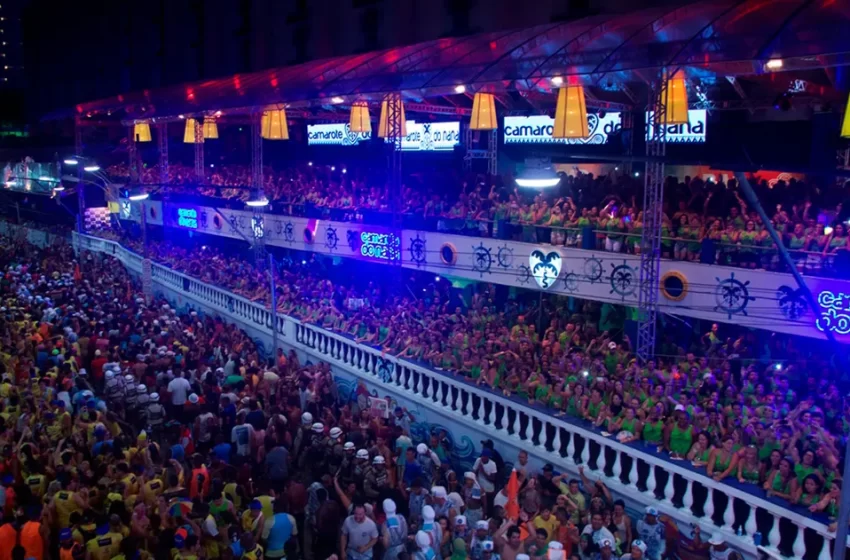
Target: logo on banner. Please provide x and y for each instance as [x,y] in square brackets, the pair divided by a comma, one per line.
[835,312]
[545,267]
[335,134]
[691,133]
[431,137]
[538,129]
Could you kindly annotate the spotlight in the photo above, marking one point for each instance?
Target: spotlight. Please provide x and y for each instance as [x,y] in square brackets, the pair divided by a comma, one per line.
[333,167]
[637,173]
[774,64]
[557,80]
[460,89]
[310,163]
[344,170]
[70,161]
[336,100]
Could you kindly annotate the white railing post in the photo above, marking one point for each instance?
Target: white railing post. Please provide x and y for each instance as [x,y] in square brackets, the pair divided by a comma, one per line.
[585,453]
[729,515]
[669,489]
[633,475]
[571,449]
[773,536]
[601,461]
[750,526]
[688,498]
[556,440]
[651,483]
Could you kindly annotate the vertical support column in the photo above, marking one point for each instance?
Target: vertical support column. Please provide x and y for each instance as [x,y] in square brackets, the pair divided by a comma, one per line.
[133,155]
[199,151]
[273,306]
[493,153]
[258,219]
[395,114]
[81,189]
[162,138]
[650,243]
[467,143]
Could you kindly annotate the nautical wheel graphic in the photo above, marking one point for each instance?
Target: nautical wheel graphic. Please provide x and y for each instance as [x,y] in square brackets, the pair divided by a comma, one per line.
[505,256]
[593,269]
[418,254]
[524,274]
[331,238]
[571,282]
[623,280]
[732,296]
[289,232]
[792,303]
[482,260]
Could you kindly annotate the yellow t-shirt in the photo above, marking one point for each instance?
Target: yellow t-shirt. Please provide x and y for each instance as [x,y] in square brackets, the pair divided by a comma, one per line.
[551,526]
[105,546]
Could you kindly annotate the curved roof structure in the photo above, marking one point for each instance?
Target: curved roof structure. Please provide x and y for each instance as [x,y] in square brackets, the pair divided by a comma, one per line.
[708,39]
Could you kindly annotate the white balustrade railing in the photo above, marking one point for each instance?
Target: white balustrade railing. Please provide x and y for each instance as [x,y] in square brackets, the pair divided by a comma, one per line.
[632,470]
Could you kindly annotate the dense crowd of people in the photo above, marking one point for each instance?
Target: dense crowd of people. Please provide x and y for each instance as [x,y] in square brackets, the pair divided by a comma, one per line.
[135,431]
[606,208]
[720,403]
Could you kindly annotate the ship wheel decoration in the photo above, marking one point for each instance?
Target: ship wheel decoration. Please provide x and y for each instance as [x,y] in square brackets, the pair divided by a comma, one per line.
[482,260]
[623,280]
[523,274]
[732,296]
[418,253]
[505,256]
[593,269]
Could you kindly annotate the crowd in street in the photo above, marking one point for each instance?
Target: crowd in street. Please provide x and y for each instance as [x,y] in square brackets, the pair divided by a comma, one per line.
[135,431]
[809,220]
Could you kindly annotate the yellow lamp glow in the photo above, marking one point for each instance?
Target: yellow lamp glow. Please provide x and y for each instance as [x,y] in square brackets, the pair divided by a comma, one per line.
[189,132]
[360,117]
[571,114]
[142,132]
[383,125]
[483,112]
[674,98]
[210,129]
[845,125]
[273,125]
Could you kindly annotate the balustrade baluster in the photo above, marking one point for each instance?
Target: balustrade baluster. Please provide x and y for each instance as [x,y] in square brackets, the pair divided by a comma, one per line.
[516,425]
[617,469]
[406,378]
[425,382]
[480,410]
[773,536]
[465,402]
[556,440]
[708,508]
[571,449]
[651,482]
[491,413]
[688,498]
[633,474]
[418,388]
[669,489]
[729,515]
[750,526]
[825,553]
[585,453]
[360,359]
[601,460]
[455,393]
[529,429]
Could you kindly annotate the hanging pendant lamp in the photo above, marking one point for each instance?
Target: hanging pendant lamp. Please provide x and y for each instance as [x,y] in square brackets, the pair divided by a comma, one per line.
[383,125]
[845,125]
[483,112]
[210,129]
[359,121]
[571,114]
[273,125]
[674,97]
[142,132]
[189,132]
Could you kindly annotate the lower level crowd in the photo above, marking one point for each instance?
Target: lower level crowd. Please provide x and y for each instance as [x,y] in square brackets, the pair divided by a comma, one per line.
[132,431]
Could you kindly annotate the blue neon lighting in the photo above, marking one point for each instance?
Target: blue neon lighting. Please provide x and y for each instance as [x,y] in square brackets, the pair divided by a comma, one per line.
[383,246]
[835,312]
[187,217]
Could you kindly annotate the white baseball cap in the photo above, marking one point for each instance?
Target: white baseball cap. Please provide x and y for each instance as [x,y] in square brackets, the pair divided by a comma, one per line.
[348,445]
[318,427]
[193,398]
[306,418]
[362,454]
[422,449]
[154,397]
[379,460]
[336,432]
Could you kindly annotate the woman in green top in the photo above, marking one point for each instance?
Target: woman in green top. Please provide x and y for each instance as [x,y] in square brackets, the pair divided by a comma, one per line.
[806,464]
[526,219]
[695,235]
[614,228]
[749,466]
[683,232]
[575,402]
[635,233]
[653,429]
[680,437]
[781,482]
[722,461]
[700,450]
[728,241]
[747,242]
[556,221]
[809,493]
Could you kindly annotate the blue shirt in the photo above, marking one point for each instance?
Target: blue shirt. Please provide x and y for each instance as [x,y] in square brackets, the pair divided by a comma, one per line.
[280,532]
[222,452]
[178,453]
[412,471]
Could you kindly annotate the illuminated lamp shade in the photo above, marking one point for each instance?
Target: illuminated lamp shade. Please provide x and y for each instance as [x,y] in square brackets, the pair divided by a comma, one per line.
[483,112]
[845,125]
[360,117]
[571,114]
[383,125]
[674,97]
[210,129]
[273,125]
[142,132]
[189,132]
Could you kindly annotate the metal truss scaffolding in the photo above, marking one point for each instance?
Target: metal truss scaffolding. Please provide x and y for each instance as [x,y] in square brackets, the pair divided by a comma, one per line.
[490,153]
[395,116]
[258,223]
[81,188]
[133,154]
[650,243]
[199,151]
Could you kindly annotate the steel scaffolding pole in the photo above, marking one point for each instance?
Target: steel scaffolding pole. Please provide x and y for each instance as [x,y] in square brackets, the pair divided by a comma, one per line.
[258,229]
[132,155]
[650,243]
[395,114]
[162,138]
[199,152]
[493,153]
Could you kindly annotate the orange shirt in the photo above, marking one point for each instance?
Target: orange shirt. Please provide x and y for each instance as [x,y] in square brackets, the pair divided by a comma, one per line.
[194,490]
[8,540]
[31,540]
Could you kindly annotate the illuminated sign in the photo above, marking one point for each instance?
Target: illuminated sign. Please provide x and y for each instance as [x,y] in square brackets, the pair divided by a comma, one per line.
[545,266]
[835,312]
[691,133]
[538,129]
[382,246]
[334,134]
[431,137]
[187,217]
